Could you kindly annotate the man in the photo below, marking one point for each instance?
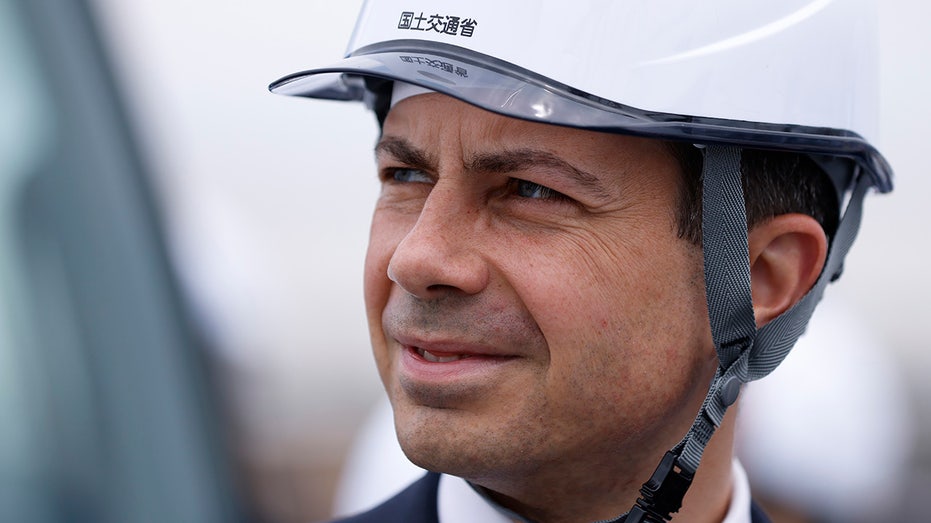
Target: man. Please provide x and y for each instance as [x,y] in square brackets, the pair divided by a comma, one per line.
[563,211]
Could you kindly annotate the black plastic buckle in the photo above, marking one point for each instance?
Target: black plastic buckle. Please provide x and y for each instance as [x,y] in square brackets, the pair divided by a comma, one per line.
[662,494]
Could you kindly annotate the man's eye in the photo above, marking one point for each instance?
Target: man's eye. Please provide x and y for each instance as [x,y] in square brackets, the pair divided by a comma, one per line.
[526,189]
[408,176]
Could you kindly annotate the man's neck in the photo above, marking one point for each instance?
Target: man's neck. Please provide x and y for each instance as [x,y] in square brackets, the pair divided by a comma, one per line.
[571,500]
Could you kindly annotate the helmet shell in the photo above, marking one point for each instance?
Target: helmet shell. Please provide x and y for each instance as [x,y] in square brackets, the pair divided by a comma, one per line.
[796,74]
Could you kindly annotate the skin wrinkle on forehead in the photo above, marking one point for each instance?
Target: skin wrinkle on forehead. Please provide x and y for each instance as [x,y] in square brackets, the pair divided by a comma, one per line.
[501,162]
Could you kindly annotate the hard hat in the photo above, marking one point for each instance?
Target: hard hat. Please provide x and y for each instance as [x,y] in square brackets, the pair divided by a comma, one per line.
[795,75]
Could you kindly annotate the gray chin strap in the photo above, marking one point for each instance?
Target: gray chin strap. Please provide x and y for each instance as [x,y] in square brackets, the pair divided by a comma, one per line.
[744,353]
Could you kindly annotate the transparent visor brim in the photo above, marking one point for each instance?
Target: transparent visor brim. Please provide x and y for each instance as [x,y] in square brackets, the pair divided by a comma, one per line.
[477,84]
[506,89]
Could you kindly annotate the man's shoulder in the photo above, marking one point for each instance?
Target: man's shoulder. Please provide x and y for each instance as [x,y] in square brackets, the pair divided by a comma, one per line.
[757,515]
[415,504]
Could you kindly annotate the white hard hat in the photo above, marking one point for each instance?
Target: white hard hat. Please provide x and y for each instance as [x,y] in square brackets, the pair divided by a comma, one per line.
[794,75]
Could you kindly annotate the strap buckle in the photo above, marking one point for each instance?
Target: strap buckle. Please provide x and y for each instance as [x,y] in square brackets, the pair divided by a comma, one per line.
[662,494]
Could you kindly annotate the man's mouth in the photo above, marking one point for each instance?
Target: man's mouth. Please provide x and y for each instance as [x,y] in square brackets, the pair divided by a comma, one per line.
[440,357]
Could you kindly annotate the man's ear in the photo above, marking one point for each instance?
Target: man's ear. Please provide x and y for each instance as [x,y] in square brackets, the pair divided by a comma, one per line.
[787,254]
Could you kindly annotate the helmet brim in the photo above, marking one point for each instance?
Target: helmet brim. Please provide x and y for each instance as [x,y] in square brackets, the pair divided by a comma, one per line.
[507,89]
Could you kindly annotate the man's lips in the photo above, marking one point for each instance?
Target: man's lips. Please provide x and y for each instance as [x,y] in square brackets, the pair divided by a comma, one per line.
[445,356]
[444,373]
[443,360]
[436,351]
[443,376]
[439,357]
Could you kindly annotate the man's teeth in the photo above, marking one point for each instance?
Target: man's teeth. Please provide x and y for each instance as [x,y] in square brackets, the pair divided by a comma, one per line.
[433,358]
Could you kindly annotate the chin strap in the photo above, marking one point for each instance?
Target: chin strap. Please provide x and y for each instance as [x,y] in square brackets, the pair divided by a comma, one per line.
[744,353]
[733,328]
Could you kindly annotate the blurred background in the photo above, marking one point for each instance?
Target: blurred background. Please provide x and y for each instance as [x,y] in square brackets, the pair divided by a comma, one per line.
[182,336]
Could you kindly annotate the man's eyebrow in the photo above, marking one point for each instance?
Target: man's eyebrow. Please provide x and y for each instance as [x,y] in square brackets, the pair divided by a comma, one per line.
[500,162]
[405,152]
[510,161]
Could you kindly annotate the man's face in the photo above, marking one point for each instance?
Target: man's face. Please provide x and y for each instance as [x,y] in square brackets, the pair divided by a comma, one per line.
[533,313]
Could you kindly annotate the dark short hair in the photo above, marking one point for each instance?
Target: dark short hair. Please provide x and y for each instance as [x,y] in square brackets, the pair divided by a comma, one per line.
[774,183]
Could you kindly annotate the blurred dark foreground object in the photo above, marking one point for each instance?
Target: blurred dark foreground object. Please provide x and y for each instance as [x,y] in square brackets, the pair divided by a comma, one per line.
[107,413]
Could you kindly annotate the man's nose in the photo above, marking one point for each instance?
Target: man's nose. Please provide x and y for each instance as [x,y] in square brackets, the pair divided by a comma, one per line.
[441,253]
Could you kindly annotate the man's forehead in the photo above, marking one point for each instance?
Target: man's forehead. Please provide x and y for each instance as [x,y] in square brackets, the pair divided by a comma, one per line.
[430,116]
[429,120]
[403,90]
[442,125]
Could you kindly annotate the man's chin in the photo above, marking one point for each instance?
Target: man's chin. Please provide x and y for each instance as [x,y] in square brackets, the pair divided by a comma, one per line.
[465,444]
[443,440]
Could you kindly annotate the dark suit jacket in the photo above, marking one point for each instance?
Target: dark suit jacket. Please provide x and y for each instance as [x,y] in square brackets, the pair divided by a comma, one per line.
[417,504]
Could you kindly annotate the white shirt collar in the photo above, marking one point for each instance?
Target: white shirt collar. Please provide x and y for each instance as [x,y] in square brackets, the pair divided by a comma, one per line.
[739,511]
[457,502]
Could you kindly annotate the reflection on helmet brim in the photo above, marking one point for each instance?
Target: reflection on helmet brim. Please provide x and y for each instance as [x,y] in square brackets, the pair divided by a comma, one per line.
[506,89]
